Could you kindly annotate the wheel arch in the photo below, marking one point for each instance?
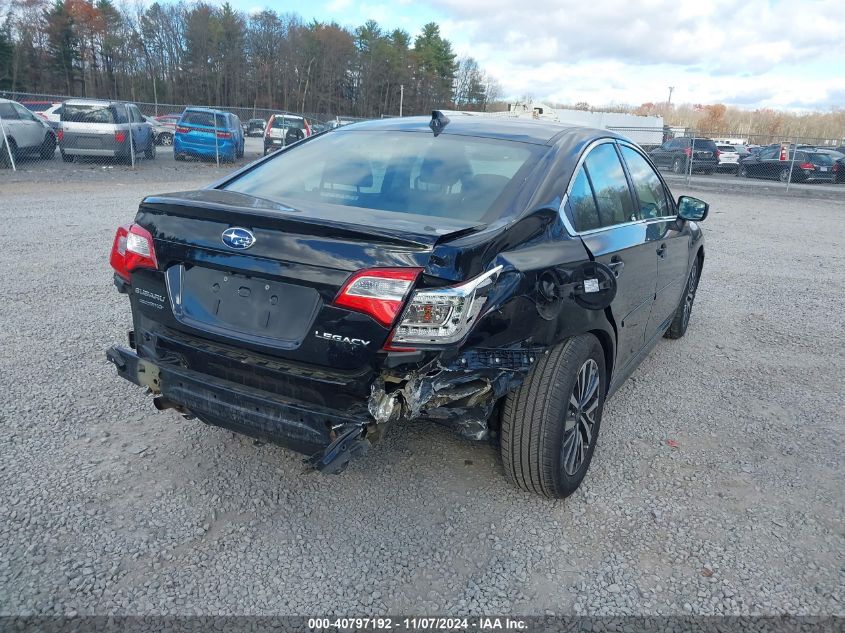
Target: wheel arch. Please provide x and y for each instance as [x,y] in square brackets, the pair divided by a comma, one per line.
[606,342]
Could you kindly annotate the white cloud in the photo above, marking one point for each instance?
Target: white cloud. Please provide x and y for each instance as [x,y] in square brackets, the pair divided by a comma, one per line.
[622,51]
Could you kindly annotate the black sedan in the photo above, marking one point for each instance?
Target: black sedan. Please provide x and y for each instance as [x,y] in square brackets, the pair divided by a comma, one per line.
[803,165]
[838,158]
[500,277]
[255,127]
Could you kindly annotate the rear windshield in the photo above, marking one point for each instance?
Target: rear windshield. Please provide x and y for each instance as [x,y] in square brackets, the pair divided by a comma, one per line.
[727,148]
[284,122]
[821,159]
[93,113]
[703,143]
[463,178]
[203,118]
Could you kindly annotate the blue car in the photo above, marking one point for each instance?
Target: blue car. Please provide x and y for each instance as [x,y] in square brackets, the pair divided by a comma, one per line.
[207,133]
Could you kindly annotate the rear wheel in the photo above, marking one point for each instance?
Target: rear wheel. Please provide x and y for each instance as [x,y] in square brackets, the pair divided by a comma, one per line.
[165,138]
[680,321]
[48,147]
[550,425]
[743,171]
[783,175]
[6,150]
[678,166]
[150,152]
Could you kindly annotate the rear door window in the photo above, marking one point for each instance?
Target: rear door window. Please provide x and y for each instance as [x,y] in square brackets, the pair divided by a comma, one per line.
[582,204]
[652,196]
[206,119]
[610,186]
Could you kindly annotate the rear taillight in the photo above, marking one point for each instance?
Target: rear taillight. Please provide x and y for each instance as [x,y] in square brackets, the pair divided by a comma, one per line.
[718,153]
[378,292]
[688,152]
[60,135]
[224,135]
[120,137]
[808,166]
[442,316]
[183,129]
[133,248]
[835,167]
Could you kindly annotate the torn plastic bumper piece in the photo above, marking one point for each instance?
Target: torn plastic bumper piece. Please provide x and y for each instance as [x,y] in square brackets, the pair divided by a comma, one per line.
[303,427]
[335,457]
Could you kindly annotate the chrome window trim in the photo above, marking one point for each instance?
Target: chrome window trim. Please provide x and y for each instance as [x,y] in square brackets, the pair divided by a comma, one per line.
[562,209]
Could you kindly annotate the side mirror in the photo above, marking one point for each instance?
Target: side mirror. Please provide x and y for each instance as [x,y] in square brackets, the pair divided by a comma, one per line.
[693,209]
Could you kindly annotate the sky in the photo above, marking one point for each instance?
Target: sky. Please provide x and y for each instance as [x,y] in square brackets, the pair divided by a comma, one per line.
[748,53]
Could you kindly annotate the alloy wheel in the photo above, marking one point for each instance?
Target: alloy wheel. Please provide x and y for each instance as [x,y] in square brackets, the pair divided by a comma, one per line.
[580,417]
[689,296]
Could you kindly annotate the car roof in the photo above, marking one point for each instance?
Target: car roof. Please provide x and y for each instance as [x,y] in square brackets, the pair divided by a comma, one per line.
[198,109]
[93,102]
[504,128]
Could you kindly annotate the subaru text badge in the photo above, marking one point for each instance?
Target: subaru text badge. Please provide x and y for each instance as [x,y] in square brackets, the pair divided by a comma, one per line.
[238,238]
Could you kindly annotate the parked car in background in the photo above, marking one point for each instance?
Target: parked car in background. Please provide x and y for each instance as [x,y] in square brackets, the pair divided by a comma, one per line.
[208,133]
[23,133]
[728,158]
[679,154]
[284,129]
[255,127]
[162,134]
[838,158]
[169,120]
[477,276]
[104,129]
[776,162]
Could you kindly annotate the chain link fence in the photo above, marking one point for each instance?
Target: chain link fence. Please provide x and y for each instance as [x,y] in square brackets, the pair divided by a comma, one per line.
[42,132]
[45,131]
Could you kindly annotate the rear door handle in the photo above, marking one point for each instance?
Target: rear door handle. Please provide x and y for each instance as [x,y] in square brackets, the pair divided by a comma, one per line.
[661,252]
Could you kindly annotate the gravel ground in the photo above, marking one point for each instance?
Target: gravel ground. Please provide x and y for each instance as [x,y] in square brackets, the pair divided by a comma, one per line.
[111,507]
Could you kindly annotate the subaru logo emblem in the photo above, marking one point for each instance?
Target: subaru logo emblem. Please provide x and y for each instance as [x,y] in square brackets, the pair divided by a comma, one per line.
[238,238]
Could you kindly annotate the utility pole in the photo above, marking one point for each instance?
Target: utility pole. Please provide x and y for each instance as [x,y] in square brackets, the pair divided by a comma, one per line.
[401,97]
[671,90]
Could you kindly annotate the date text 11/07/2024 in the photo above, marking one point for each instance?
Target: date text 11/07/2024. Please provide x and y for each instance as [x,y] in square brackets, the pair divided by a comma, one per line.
[418,624]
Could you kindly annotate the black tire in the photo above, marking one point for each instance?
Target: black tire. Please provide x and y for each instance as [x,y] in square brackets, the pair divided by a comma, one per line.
[783,174]
[678,166]
[535,417]
[742,172]
[68,158]
[12,149]
[178,156]
[165,138]
[680,321]
[150,152]
[48,147]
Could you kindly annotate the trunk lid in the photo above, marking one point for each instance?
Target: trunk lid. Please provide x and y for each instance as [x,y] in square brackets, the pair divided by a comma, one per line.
[275,295]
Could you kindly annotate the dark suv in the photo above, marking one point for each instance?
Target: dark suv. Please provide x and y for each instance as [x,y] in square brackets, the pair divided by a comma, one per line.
[499,277]
[678,154]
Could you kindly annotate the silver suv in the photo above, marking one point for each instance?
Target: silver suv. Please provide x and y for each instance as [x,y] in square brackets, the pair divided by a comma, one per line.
[112,129]
[23,133]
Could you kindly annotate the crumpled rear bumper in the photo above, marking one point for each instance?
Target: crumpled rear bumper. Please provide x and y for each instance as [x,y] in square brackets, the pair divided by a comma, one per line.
[302,427]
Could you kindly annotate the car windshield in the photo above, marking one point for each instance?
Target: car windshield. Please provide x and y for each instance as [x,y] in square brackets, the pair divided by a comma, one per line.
[455,177]
[285,122]
[193,117]
[820,159]
[88,113]
[703,143]
[727,148]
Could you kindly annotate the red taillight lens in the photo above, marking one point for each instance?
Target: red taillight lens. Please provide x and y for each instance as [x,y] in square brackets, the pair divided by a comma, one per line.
[119,137]
[718,153]
[808,166]
[133,248]
[183,129]
[60,135]
[378,292]
[688,151]
[835,167]
[224,135]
